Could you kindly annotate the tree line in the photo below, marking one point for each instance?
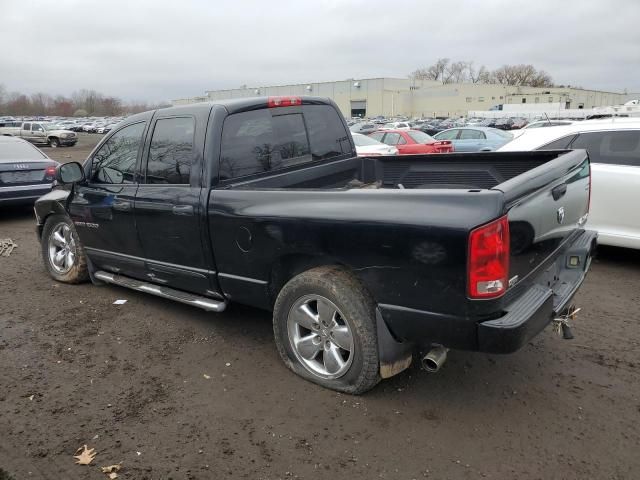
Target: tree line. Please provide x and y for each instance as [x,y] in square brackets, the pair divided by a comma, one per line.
[447,71]
[81,103]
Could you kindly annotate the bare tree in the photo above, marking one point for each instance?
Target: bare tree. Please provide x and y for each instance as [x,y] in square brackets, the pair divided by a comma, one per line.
[461,71]
[456,72]
[432,72]
[482,75]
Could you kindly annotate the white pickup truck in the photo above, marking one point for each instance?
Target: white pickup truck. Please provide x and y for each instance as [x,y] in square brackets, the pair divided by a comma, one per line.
[42,133]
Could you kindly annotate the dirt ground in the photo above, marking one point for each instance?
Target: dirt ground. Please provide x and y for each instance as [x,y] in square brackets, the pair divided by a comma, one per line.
[173,392]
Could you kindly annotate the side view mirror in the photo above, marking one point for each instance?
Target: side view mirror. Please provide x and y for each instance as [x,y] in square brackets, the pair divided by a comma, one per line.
[71,172]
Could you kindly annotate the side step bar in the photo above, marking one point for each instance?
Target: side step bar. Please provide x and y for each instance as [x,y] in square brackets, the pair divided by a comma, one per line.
[188,298]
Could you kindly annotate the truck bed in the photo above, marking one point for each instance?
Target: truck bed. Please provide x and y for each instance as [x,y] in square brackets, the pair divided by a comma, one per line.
[484,170]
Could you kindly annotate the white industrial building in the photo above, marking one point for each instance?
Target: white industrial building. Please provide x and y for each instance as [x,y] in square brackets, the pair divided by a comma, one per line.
[370,97]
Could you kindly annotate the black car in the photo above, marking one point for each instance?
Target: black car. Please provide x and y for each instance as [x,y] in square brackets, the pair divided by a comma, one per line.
[25,172]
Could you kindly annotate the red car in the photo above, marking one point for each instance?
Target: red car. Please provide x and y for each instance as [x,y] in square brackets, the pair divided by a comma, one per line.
[412,141]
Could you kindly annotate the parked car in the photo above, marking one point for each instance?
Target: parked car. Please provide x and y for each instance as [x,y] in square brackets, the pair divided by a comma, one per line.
[475,139]
[368,147]
[614,150]
[412,141]
[364,127]
[25,172]
[42,133]
[361,259]
[396,126]
[505,123]
[519,123]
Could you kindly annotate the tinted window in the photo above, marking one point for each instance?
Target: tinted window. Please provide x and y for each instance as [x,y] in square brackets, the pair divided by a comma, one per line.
[560,144]
[392,138]
[618,148]
[26,126]
[115,162]
[468,134]
[20,150]
[255,142]
[327,134]
[171,151]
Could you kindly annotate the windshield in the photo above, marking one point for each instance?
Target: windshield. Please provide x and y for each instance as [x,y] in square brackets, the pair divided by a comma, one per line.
[50,126]
[363,140]
[420,137]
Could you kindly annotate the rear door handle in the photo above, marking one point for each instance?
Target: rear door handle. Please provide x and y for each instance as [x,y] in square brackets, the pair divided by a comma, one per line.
[559,191]
[122,205]
[182,210]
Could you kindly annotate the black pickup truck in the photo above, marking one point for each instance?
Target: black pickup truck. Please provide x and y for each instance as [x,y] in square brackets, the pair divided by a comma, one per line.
[363,261]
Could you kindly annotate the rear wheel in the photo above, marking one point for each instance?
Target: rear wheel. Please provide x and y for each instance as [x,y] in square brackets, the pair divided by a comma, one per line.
[54,142]
[324,326]
[62,251]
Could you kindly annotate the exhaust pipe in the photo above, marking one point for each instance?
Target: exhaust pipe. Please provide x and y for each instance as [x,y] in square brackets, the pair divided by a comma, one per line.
[434,359]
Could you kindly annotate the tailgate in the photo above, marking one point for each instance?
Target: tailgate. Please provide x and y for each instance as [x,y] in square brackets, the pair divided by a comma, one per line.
[547,207]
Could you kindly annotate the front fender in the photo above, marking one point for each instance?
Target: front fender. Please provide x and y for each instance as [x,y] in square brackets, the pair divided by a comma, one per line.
[54,202]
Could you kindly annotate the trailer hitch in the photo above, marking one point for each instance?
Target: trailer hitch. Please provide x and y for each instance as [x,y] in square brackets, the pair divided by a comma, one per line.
[561,323]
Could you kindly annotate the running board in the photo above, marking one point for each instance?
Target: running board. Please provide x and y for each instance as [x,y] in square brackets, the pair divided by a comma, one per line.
[165,292]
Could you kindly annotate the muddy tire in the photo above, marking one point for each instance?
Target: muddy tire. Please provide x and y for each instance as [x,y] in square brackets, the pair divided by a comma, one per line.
[325,330]
[62,251]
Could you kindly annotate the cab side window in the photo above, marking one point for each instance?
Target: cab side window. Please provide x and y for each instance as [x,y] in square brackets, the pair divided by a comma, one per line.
[171,151]
[26,126]
[37,128]
[115,162]
[620,147]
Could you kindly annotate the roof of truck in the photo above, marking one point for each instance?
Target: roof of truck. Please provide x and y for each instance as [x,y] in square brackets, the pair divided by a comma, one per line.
[234,105]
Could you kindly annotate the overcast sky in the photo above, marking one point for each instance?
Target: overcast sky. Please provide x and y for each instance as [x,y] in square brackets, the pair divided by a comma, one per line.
[159,50]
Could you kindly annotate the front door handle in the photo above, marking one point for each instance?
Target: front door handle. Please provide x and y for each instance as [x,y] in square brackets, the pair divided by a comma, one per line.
[559,191]
[122,205]
[182,210]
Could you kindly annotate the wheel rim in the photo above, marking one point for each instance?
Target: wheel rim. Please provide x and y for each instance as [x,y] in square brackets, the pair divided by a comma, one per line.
[320,336]
[54,143]
[62,248]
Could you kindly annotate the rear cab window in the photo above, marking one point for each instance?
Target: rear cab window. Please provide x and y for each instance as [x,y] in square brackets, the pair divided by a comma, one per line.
[265,140]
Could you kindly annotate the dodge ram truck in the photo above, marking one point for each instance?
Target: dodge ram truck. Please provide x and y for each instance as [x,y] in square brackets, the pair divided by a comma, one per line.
[363,261]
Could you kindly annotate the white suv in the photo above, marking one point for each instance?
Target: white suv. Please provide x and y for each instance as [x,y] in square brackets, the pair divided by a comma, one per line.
[614,149]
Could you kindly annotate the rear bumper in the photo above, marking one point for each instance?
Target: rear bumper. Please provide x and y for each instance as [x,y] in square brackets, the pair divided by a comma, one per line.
[522,320]
[23,193]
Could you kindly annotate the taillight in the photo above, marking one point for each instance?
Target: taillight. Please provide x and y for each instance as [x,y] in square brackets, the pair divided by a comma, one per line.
[284,101]
[488,263]
[50,172]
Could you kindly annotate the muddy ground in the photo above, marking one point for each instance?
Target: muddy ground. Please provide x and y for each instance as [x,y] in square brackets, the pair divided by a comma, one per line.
[174,392]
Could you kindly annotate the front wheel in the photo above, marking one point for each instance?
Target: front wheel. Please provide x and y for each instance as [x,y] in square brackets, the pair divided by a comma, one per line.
[324,326]
[62,251]
[54,142]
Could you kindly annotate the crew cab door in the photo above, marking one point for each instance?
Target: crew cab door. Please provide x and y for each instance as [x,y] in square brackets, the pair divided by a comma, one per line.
[25,131]
[168,207]
[102,208]
[38,133]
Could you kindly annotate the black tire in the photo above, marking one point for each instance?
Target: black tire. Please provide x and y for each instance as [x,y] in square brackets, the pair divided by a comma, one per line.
[358,309]
[54,142]
[78,271]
